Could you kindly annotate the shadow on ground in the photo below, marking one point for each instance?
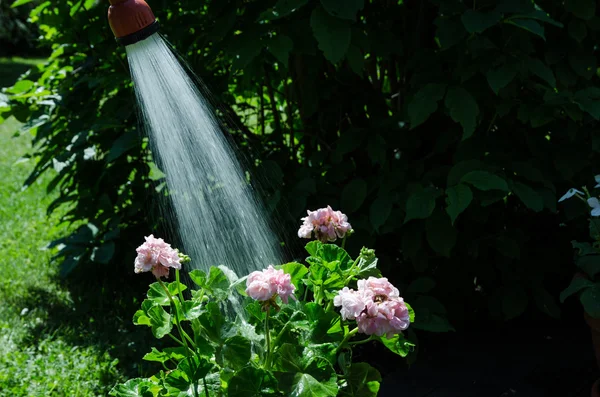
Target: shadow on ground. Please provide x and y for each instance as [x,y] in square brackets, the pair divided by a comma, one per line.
[100,315]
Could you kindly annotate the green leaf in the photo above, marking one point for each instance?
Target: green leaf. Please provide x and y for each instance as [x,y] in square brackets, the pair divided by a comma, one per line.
[237,351]
[529,196]
[178,384]
[514,301]
[332,34]
[123,144]
[20,86]
[590,264]
[244,48]
[281,46]
[477,22]
[398,345]
[546,302]
[353,195]
[441,235]
[175,353]
[529,25]
[198,277]
[421,285]
[449,31]
[424,103]
[195,367]
[411,312]
[321,322]
[463,109]
[583,64]
[20,3]
[176,287]
[249,382]
[458,199]
[584,9]
[501,77]
[363,381]
[213,322]
[540,69]
[484,180]
[380,211]
[191,309]
[540,15]
[344,9]
[160,321]
[377,149]
[420,205]
[577,30]
[356,60]
[157,294]
[134,388]
[288,358]
[297,272]
[305,385]
[590,299]
[104,253]
[216,284]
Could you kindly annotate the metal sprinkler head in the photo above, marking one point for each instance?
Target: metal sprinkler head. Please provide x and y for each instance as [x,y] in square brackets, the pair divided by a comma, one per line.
[131,21]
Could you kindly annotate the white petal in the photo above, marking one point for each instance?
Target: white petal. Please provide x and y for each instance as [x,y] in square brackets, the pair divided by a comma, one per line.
[596,212]
[570,193]
[593,202]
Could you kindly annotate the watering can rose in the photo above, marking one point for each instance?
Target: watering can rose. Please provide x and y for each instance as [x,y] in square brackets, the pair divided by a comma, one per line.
[264,285]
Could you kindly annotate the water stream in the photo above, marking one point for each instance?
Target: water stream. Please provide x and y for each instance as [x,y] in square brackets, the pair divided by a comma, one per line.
[218,217]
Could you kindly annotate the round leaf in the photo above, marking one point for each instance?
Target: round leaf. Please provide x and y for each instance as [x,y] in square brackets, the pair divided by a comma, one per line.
[332,34]
[459,198]
[420,205]
[484,180]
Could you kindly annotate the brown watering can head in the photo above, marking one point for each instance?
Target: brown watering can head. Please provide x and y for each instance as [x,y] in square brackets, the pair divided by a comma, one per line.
[131,21]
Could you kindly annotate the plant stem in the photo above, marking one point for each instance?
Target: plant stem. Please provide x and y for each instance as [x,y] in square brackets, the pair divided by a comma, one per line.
[177,322]
[176,339]
[346,338]
[344,242]
[360,342]
[268,341]
[178,289]
[352,268]
[205,387]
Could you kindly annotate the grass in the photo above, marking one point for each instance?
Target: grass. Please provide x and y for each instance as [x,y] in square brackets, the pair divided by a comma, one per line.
[42,351]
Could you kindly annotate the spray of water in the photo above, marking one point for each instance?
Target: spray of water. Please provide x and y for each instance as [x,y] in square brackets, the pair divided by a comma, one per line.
[220,221]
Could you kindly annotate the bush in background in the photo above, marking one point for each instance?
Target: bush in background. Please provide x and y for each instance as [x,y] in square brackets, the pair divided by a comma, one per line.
[444,129]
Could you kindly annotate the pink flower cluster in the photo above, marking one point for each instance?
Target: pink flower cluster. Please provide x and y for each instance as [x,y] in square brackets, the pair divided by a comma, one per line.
[264,285]
[157,256]
[377,307]
[326,224]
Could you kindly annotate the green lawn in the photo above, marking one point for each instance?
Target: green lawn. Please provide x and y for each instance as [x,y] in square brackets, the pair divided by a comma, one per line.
[42,353]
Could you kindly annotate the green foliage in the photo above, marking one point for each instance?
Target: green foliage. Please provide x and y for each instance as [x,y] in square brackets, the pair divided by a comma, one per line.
[300,348]
[377,108]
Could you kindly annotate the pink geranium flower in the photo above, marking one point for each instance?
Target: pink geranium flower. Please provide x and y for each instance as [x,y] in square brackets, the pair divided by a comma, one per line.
[377,307]
[157,256]
[325,224]
[266,284]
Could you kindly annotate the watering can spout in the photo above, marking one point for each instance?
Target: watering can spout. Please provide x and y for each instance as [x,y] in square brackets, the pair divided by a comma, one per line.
[131,21]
